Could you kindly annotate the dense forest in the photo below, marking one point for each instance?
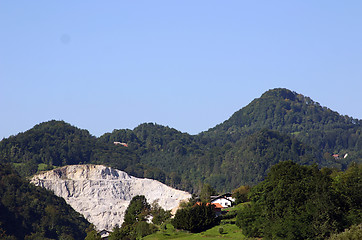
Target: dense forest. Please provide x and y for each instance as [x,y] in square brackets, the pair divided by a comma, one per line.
[29,212]
[296,115]
[302,202]
[300,144]
[280,125]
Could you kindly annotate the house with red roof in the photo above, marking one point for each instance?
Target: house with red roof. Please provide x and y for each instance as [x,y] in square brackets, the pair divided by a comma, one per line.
[225,200]
[216,206]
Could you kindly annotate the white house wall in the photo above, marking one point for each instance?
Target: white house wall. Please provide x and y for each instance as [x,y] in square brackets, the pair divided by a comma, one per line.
[223,202]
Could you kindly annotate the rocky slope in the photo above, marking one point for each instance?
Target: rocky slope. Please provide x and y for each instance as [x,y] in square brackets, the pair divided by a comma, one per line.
[102,194]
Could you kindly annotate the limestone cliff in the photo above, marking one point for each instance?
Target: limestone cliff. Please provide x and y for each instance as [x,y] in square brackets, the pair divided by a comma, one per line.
[102,194]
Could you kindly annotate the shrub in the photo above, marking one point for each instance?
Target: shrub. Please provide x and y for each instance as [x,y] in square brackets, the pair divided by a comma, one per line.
[195,219]
[352,233]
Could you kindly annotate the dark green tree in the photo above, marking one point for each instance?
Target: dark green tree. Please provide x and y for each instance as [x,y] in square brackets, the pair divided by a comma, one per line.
[117,234]
[137,210]
[159,215]
[206,192]
[143,229]
[195,219]
[348,185]
[241,194]
[250,220]
[294,202]
[135,220]
[92,233]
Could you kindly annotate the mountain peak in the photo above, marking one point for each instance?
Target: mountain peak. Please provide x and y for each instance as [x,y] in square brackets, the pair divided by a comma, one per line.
[280,93]
[291,113]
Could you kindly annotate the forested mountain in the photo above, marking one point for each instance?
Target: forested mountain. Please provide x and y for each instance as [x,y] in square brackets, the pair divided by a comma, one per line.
[29,212]
[56,143]
[294,114]
[280,125]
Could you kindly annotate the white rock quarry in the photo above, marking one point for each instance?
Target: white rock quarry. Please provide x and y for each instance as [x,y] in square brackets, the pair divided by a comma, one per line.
[102,194]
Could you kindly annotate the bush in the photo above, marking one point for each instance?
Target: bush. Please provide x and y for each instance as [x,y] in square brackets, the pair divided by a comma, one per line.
[195,219]
[353,233]
[248,219]
[144,229]
[293,202]
[229,215]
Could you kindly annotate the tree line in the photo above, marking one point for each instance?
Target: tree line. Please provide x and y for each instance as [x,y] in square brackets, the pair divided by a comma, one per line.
[30,212]
[280,125]
[303,202]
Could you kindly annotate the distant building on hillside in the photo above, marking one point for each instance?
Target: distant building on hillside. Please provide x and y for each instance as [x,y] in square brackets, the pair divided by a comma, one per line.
[225,200]
[121,143]
[217,208]
[104,234]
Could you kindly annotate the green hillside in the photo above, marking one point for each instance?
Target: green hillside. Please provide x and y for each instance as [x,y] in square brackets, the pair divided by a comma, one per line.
[280,125]
[29,212]
[56,143]
[297,115]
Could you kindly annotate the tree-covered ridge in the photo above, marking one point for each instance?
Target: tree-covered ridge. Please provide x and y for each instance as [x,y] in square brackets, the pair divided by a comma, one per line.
[151,138]
[187,161]
[158,152]
[29,212]
[248,161]
[54,143]
[297,115]
[280,125]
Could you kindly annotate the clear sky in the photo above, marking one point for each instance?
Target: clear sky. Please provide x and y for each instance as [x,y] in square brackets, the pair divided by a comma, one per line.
[104,65]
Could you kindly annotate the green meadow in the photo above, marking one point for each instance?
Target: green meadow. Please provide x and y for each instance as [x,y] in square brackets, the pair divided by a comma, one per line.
[230,231]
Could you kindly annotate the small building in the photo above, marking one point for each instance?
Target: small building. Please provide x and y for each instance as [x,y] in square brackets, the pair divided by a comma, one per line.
[121,143]
[226,200]
[104,234]
[217,208]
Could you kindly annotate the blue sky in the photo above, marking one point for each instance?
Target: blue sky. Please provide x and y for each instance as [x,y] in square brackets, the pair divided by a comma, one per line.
[104,65]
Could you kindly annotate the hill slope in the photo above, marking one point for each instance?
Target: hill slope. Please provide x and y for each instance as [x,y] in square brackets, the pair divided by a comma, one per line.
[26,210]
[296,115]
[280,125]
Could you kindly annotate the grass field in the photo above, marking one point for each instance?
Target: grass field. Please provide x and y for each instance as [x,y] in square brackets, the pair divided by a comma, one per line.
[230,231]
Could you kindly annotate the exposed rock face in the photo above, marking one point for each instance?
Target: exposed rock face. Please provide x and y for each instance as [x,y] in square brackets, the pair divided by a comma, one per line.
[102,194]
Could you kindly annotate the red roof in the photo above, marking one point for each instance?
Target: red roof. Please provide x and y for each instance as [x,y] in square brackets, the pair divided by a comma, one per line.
[216,205]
